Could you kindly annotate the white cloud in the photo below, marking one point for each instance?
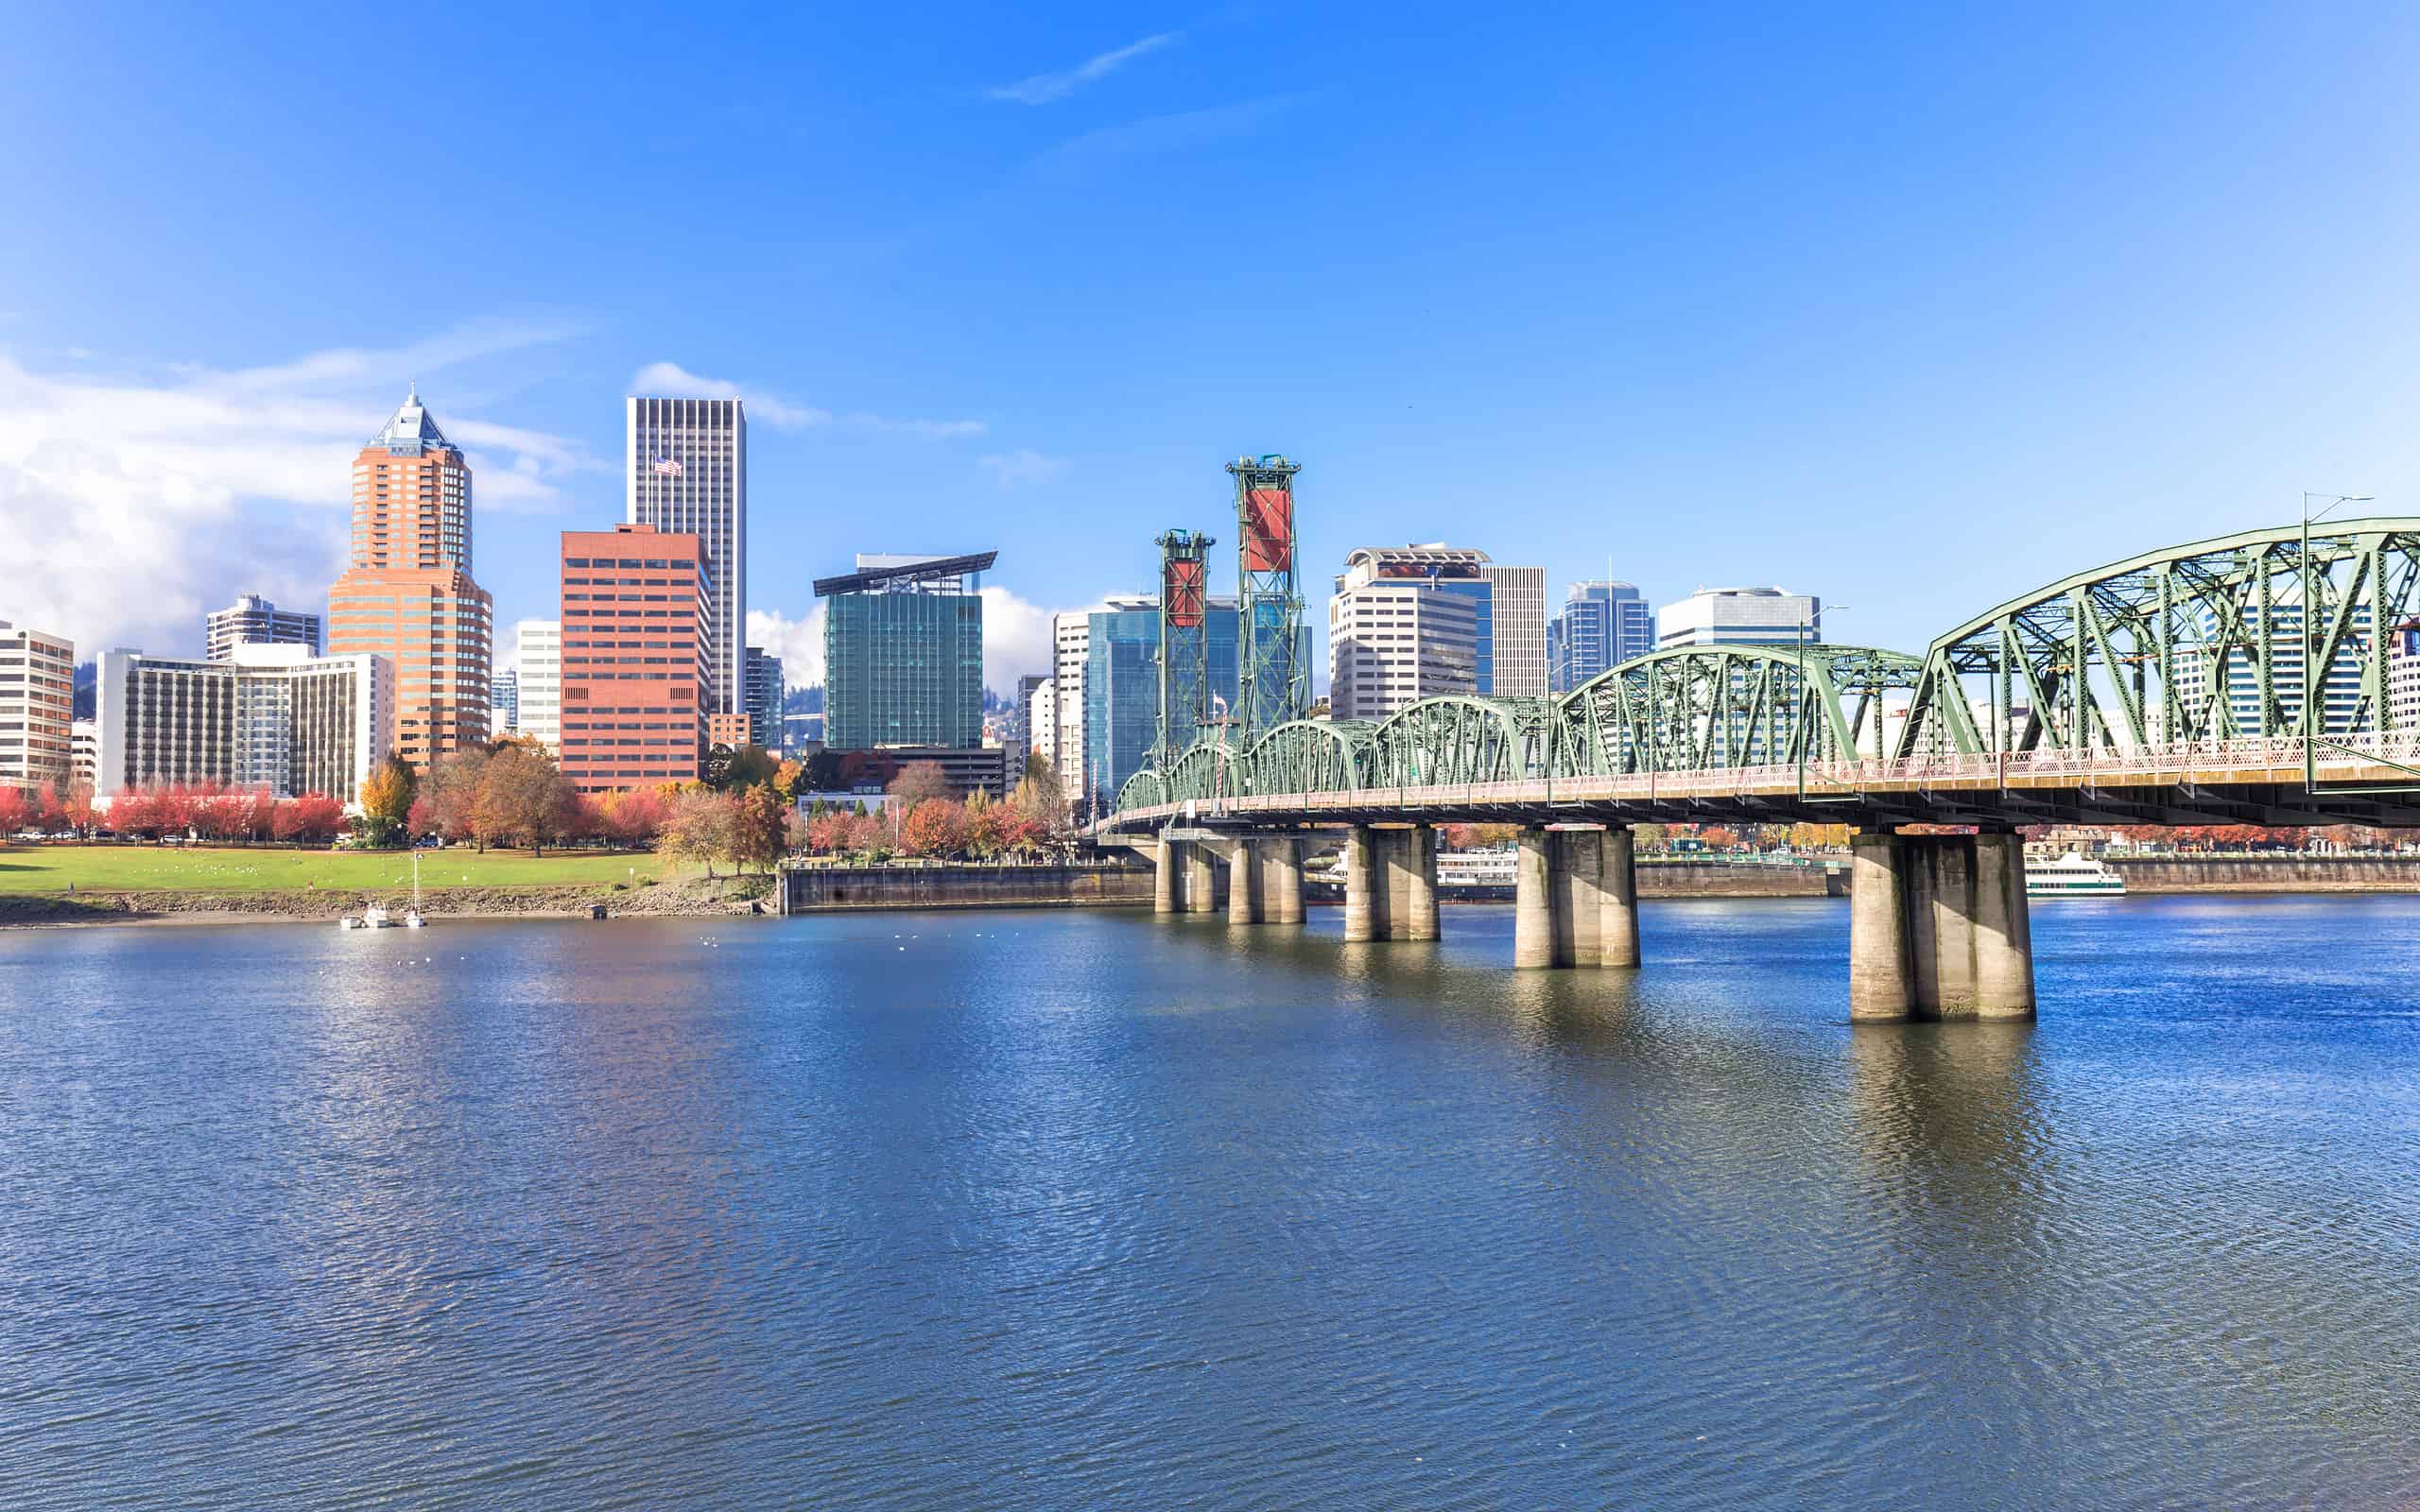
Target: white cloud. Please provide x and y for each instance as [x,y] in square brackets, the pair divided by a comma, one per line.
[672,380]
[797,642]
[1017,640]
[1042,89]
[1014,468]
[132,505]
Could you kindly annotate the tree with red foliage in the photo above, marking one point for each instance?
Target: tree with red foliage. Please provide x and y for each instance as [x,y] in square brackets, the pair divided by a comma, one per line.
[314,816]
[17,810]
[756,831]
[636,816]
[137,811]
[936,827]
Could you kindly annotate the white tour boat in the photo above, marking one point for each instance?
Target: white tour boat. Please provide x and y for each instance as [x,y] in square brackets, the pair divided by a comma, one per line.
[2073,875]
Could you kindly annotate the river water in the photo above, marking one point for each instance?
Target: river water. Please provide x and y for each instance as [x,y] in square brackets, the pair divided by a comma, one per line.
[1094,1210]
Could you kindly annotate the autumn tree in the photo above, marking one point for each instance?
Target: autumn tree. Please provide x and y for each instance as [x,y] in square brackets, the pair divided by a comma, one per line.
[635,815]
[918,782]
[700,830]
[314,816]
[1039,795]
[936,827]
[523,797]
[17,809]
[757,832]
[386,800]
[451,793]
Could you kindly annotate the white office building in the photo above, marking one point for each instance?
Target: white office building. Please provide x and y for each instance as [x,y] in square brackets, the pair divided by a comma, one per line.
[37,705]
[1518,632]
[256,620]
[1042,719]
[1739,616]
[270,716]
[687,470]
[1405,623]
[1071,639]
[85,740]
[540,679]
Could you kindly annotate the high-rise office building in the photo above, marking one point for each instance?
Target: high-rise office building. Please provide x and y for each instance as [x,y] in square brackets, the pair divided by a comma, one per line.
[1739,616]
[84,737]
[1070,648]
[256,620]
[1405,623]
[270,716]
[37,707]
[1020,742]
[1603,624]
[406,594]
[903,653]
[1517,632]
[686,474]
[1042,721]
[1121,694]
[635,602]
[765,695]
[504,702]
[540,645]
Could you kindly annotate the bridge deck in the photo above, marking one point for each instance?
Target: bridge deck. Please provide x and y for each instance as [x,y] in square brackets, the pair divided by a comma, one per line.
[2233,782]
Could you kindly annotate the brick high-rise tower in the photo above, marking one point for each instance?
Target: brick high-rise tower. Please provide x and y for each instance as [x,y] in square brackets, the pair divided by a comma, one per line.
[407,593]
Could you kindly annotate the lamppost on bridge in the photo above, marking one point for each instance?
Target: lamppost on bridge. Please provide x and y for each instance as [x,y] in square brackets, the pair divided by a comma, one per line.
[2314,702]
[1806,738]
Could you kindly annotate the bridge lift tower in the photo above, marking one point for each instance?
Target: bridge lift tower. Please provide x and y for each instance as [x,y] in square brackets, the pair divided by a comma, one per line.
[1184,643]
[1272,684]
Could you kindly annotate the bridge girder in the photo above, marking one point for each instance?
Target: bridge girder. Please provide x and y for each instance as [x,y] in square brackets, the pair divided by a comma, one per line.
[2196,644]
[1709,708]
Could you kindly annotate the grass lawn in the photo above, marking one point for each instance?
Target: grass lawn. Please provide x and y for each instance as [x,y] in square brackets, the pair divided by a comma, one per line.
[200,868]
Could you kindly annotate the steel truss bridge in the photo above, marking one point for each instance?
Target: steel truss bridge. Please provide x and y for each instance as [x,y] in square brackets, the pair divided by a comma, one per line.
[2185,686]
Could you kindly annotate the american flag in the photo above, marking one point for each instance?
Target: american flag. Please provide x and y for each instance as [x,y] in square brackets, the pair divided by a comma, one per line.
[667,466]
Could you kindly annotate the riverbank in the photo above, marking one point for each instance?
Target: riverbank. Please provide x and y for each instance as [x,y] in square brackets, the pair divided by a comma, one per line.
[689,898]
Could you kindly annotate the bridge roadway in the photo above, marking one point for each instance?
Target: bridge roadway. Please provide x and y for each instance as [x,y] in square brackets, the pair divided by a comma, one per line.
[2270,676]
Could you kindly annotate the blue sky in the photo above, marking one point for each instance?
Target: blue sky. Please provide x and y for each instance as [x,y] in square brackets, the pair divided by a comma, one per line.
[1917,308]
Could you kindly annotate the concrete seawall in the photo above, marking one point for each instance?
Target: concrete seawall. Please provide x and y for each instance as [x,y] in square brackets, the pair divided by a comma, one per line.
[834,889]
[2167,874]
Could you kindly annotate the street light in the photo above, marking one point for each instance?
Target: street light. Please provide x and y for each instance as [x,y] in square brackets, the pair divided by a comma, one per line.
[2314,709]
[1806,741]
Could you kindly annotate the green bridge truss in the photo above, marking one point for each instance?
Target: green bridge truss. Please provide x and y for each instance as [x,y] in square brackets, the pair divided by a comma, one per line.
[2200,643]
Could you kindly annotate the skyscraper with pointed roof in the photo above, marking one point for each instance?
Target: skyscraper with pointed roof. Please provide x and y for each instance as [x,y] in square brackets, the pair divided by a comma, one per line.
[407,593]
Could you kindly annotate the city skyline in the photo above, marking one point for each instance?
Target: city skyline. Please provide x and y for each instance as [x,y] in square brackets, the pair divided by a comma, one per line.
[1856,302]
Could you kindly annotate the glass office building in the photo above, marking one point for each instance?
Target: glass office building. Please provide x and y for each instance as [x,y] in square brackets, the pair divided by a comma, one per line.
[1122,690]
[902,669]
[1603,624]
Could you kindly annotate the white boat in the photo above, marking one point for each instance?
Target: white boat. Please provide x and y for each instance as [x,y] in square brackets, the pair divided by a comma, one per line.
[412,914]
[2073,875]
[1496,867]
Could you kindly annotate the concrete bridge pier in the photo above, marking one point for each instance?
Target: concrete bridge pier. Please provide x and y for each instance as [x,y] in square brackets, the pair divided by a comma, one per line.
[1201,879]
[1164,876]
[1575,899]
[1278,875]
[1412,883]
[1939,928]
[1365,891]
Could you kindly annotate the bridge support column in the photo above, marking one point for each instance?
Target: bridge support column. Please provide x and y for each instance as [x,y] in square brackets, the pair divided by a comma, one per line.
[1574,876]
[1201,880]
[1411,861]
[1939,928]
[1281,879]
[1881,977]
[1164,877]
[1365,891]
[1243,883]
[1617,920]
[1532,900]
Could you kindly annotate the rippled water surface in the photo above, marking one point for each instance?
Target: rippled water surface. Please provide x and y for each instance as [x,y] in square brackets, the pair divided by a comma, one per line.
[1053,1210]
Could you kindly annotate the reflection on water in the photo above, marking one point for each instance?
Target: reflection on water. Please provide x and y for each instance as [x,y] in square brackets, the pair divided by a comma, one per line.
[1055,1209]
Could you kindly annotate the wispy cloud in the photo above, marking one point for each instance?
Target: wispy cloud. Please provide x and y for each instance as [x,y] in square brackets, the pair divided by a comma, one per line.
[671,380]
[133,502]
[1021,466]
[1165,134]
[1042,89]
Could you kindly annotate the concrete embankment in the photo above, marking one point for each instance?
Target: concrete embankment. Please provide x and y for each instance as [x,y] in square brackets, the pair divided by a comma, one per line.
[829,889]
[2169,874]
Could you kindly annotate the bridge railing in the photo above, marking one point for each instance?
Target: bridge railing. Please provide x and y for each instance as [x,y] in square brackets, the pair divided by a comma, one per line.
[2216,761]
